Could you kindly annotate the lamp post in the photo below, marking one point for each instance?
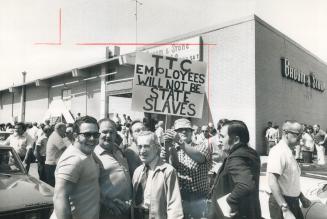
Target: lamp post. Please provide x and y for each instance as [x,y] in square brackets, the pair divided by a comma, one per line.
[22,99]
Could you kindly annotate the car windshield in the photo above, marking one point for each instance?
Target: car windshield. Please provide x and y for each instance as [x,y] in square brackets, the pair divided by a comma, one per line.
[9,163]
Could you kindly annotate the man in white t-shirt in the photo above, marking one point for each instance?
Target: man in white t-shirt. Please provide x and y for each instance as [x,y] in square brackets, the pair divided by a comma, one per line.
[284,173]
[77,192]
[55,147]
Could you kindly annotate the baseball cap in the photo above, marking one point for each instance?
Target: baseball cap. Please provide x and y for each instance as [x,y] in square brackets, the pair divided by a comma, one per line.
[182,124]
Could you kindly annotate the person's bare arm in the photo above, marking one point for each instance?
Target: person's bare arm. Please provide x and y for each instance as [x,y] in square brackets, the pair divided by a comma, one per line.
[196,155]
[62,192]
[275,189]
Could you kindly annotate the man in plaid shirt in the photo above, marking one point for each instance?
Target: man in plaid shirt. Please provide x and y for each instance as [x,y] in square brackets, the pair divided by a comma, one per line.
[192,162]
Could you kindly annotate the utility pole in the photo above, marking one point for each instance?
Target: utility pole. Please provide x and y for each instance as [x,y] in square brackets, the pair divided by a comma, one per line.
[23,98]
[136,6]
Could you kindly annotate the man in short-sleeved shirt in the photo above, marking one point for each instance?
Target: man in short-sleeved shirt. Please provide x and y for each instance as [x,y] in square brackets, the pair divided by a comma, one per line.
[22,142]
[40,152]
[77,193]
[55,147]
[115,179]
[320,138]
[284,175]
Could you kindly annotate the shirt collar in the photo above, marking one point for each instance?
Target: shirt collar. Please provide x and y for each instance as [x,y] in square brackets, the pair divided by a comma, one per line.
[160,165]
[100,150]
[285,147]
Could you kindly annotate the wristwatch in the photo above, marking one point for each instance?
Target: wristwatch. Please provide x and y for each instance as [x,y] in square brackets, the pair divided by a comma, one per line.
[284,206]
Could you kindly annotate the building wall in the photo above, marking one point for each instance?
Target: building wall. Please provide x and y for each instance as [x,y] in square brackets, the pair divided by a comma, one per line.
[6,107]
[36,103]
[279,98]
[79,98]
[85,95]
[93,98]
[231,78]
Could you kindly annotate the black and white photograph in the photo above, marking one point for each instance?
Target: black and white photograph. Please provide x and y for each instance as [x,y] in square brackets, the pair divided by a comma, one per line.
[161,109]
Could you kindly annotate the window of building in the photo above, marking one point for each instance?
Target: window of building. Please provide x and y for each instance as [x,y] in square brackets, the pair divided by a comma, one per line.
[66,97]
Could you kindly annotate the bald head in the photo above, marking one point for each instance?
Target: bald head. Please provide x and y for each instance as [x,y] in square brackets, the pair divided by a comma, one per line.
[292,132]
[60,128]
[292,126]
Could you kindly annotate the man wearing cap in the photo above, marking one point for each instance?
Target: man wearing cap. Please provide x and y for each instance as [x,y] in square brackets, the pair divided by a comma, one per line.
[284,175]
[192,162]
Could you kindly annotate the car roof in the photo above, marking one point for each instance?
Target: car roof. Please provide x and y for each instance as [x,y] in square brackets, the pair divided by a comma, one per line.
[5,147]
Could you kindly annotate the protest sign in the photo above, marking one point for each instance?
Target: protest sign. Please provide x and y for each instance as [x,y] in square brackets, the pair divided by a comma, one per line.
[167,85]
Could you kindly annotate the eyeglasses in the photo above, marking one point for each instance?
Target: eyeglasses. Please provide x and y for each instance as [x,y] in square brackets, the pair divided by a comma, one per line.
[183,129]
[90,134]
[297,134]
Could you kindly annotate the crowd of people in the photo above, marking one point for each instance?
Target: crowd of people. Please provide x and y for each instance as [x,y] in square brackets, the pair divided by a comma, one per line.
[311,146]
[119,168]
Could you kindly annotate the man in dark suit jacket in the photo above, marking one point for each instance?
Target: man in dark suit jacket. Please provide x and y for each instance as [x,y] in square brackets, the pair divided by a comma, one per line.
[239,174]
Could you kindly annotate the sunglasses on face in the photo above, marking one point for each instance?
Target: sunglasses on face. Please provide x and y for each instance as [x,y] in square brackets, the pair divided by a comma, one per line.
[90,134]
[297,134]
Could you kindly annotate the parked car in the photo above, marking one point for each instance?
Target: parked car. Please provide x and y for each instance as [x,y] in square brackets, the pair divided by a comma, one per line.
[21,195]
[4,135]
[313,185]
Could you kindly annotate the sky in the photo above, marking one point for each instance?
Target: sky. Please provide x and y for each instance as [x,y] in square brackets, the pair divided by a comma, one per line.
[24,23]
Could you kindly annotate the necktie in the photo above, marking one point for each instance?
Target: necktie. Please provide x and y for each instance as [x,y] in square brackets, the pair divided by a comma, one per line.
[139,194]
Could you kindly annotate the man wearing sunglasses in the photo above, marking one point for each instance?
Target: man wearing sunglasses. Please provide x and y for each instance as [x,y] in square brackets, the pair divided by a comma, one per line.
[77,192]
[284,173]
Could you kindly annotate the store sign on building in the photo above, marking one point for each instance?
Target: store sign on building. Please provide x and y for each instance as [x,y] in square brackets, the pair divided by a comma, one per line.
[295,74]
[186,49]
[167,85]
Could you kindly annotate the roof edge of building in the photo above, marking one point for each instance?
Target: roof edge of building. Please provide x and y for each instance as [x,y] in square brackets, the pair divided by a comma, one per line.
[202,31]
[278,32]
[61,73]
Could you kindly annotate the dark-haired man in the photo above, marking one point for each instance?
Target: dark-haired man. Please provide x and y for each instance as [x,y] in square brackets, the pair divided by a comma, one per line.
[115,179]
[77,193]
[22,143]
[239,175]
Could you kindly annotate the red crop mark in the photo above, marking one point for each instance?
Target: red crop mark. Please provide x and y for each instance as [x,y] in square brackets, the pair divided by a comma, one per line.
[59,34]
